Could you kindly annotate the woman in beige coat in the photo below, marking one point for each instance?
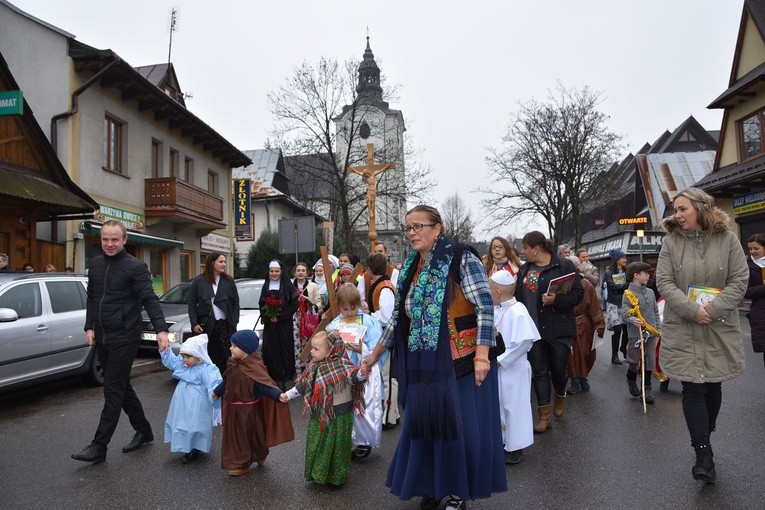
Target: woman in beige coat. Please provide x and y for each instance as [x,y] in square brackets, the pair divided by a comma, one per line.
[701,340]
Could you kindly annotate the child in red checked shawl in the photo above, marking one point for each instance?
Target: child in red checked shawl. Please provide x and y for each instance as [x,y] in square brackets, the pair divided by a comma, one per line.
[332,388]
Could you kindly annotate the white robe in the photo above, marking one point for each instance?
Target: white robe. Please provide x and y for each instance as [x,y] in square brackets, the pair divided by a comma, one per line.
[519,333]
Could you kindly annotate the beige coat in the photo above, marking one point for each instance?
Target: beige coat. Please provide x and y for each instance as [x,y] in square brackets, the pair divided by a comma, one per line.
[691,351]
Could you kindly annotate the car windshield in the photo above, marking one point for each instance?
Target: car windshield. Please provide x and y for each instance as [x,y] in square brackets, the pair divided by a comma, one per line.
[178,295]
[249,293]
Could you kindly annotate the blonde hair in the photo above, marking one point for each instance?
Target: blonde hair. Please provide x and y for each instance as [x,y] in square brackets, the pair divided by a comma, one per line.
[709,217]
[322,335]
[348,295]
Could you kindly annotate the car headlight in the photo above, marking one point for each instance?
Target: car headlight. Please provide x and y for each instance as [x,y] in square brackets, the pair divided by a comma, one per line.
[174,336]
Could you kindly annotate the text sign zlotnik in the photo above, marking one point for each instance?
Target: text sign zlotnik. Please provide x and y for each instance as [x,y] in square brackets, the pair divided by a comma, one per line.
[11,102]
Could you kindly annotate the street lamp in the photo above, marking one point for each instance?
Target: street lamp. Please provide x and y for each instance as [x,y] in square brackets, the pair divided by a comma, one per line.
[640,233]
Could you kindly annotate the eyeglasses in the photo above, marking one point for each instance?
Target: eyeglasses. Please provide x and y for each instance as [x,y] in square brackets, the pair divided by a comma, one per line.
[497,247]
[417,227]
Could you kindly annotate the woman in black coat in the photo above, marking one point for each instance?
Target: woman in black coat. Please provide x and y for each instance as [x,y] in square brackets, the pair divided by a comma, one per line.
[756,291]
[214,308]
[278,342]
[553,314]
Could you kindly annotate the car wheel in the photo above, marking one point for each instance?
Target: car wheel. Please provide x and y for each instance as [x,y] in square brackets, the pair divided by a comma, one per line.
[95,373]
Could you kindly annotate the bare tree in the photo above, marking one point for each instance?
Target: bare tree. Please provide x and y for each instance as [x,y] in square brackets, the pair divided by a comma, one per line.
[458,221]
[554,156]
[318,156]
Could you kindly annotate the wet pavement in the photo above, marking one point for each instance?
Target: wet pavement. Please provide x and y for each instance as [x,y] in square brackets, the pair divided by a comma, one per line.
[603,454]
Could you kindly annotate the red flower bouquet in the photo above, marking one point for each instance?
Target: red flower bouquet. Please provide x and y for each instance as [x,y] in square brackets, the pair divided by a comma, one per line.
[273,307]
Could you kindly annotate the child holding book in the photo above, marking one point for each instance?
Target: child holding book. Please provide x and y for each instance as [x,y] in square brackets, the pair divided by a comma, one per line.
[638,274]
[250,423]
[331,389]
[367,428]
[192,413]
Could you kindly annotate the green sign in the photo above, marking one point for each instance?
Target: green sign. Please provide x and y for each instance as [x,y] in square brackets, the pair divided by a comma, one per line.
[11,102]
[130,219]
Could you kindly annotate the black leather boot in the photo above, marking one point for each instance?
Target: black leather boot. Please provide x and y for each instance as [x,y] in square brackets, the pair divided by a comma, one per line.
[704,469]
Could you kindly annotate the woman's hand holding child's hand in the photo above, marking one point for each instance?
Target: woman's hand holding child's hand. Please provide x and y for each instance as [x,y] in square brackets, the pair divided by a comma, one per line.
[283,398]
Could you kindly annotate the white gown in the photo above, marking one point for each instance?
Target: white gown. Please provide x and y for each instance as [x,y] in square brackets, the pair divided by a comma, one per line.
[519,333]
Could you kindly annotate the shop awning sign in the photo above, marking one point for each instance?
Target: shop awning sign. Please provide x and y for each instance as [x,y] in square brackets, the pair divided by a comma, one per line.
[11,103]
[751,202]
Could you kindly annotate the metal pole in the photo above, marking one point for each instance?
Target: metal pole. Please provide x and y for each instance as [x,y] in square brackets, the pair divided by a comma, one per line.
[641,248]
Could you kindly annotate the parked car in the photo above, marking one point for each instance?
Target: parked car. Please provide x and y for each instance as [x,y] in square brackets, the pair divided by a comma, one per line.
[42,316]
[175,306]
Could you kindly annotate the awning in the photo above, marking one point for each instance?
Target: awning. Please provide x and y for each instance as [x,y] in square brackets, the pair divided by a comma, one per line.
[137,237]
[39,189]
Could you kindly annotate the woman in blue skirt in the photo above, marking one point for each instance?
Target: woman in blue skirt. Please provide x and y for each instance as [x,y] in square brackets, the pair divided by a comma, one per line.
[442,329]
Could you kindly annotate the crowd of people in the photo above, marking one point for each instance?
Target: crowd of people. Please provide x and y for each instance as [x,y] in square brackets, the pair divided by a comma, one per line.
[449,345]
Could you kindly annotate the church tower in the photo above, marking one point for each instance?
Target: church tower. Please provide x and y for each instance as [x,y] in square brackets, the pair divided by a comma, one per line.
[370,120]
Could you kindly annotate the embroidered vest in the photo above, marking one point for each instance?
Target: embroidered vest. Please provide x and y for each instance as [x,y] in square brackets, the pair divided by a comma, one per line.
[463,324]
[368,276]
[373,295]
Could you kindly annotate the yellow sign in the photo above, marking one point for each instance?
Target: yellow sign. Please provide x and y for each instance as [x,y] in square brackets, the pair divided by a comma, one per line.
[640,220]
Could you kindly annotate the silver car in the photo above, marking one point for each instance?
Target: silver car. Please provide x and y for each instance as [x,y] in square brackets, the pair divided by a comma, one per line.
[175,307]
[42,316]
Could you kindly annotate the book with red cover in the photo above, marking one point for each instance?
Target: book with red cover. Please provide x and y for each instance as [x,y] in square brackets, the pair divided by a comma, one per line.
[561,284]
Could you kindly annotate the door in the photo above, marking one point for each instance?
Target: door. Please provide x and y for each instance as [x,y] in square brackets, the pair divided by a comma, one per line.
[68,299]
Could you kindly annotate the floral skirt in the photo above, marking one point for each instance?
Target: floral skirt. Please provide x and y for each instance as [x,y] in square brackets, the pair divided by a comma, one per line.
[300,343]
[328,451]
[613,316]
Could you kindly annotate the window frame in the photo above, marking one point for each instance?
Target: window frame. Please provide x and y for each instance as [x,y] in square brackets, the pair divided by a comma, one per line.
[156,158]
[175,161]
[188,170]
[114,144]
[760,116]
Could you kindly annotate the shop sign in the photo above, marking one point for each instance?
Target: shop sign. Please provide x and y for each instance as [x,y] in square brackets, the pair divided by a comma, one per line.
[750,202]
[11,103]
[640,220]
[603,248]
[242,215]
[216,242]
[132,220]
[651,243]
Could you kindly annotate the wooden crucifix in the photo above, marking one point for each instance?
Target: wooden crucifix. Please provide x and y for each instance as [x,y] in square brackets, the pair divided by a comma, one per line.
[370,171]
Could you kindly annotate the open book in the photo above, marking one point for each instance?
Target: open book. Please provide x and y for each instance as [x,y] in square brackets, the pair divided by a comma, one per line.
[561,284]
[351,333]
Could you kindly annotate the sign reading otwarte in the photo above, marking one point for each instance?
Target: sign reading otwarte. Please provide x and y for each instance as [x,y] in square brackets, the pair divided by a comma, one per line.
[11,102]
[243,228]
[640,220]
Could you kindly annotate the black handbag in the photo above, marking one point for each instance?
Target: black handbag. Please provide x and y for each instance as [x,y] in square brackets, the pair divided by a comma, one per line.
[464,366]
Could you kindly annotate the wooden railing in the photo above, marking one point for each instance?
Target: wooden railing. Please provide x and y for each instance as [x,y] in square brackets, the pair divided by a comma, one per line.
[165,194]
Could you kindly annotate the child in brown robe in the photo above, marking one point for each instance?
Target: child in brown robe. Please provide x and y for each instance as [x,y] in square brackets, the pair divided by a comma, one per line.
[251,423]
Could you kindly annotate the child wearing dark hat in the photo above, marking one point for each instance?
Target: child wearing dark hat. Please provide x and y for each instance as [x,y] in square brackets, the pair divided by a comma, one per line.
[638,274]
[616,283]
[251,422]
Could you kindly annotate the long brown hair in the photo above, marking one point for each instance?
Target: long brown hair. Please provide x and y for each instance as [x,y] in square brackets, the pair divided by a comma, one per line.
[209,272]
[512,257]
[709,217]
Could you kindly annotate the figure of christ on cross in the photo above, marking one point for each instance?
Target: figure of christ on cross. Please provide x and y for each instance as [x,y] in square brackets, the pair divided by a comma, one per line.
[370,171]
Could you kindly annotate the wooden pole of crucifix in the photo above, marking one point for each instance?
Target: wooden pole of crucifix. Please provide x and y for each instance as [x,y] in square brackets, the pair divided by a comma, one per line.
[370,171]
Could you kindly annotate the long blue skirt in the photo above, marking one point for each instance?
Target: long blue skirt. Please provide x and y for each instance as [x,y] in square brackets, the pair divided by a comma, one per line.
[471,466]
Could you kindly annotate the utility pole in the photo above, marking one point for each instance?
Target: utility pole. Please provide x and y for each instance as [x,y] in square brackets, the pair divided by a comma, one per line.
[173,26]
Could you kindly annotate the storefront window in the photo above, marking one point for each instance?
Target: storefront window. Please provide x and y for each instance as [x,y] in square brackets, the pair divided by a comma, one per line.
[185,260]
[157,269]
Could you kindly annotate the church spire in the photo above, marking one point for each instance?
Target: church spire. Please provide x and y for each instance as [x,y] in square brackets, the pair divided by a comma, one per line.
[369,89]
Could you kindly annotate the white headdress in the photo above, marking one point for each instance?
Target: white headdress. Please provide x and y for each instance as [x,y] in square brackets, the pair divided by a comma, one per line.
[503,277]
[197,346]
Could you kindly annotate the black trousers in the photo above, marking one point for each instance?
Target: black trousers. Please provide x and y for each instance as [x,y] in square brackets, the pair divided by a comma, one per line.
[549,362]
[117,361]
[219,344]
[619,340]
[701,405]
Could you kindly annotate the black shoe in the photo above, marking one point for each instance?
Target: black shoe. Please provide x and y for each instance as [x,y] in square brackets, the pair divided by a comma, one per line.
[664,386]
[514,457]
[615,359]
[361,452]
[90,453]
[634,390]
[574,387]
[455,503]
[584,384]
[648,396]
[704,469]
[139,439]
[389,426]
[191,456]
[429,503]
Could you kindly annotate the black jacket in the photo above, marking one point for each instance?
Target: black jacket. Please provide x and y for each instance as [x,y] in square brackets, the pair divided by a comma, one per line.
[201,300]
[117,288]
[556,322]
[615,290]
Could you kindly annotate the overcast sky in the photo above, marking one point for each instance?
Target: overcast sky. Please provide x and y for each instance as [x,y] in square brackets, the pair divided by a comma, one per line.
[463,67]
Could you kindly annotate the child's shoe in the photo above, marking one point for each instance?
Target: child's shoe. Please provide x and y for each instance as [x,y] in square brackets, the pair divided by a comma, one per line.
[574,387]
[191,456]
[649,396]
[238,472]
[585,385]
[664,386]
[634,390]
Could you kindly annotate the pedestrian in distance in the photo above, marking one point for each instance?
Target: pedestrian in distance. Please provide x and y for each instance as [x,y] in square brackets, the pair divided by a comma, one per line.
[519,333]
[701,345]
[616,283]
[253,417]
[118,286]
[332,389]
[501,255]
[213,303]
[641,314]
[756,291]
[193,412]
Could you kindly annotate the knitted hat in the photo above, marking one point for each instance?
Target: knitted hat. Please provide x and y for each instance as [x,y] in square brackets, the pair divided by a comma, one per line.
[616,254]
[247,340]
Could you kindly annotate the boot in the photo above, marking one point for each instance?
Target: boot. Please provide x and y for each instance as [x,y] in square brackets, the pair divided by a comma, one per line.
[544,422]
[704,469]
[559,409]
[648,396]
[615,359]
[633,387]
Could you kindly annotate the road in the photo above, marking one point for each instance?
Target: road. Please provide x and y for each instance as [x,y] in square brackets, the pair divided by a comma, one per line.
[604,454]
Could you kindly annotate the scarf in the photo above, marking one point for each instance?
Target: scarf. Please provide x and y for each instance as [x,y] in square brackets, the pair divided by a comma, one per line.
[760,261]
[427,381]
[321,380]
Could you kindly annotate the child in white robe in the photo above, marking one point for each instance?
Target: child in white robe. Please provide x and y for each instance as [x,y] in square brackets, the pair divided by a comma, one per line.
[512,321]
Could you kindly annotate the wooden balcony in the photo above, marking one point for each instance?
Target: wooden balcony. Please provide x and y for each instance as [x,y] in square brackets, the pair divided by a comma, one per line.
[181,202]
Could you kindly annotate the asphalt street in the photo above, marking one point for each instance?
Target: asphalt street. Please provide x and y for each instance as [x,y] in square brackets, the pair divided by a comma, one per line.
[603,454]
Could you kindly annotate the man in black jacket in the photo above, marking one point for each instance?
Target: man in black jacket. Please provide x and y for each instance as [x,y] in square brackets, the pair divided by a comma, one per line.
[118,285]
